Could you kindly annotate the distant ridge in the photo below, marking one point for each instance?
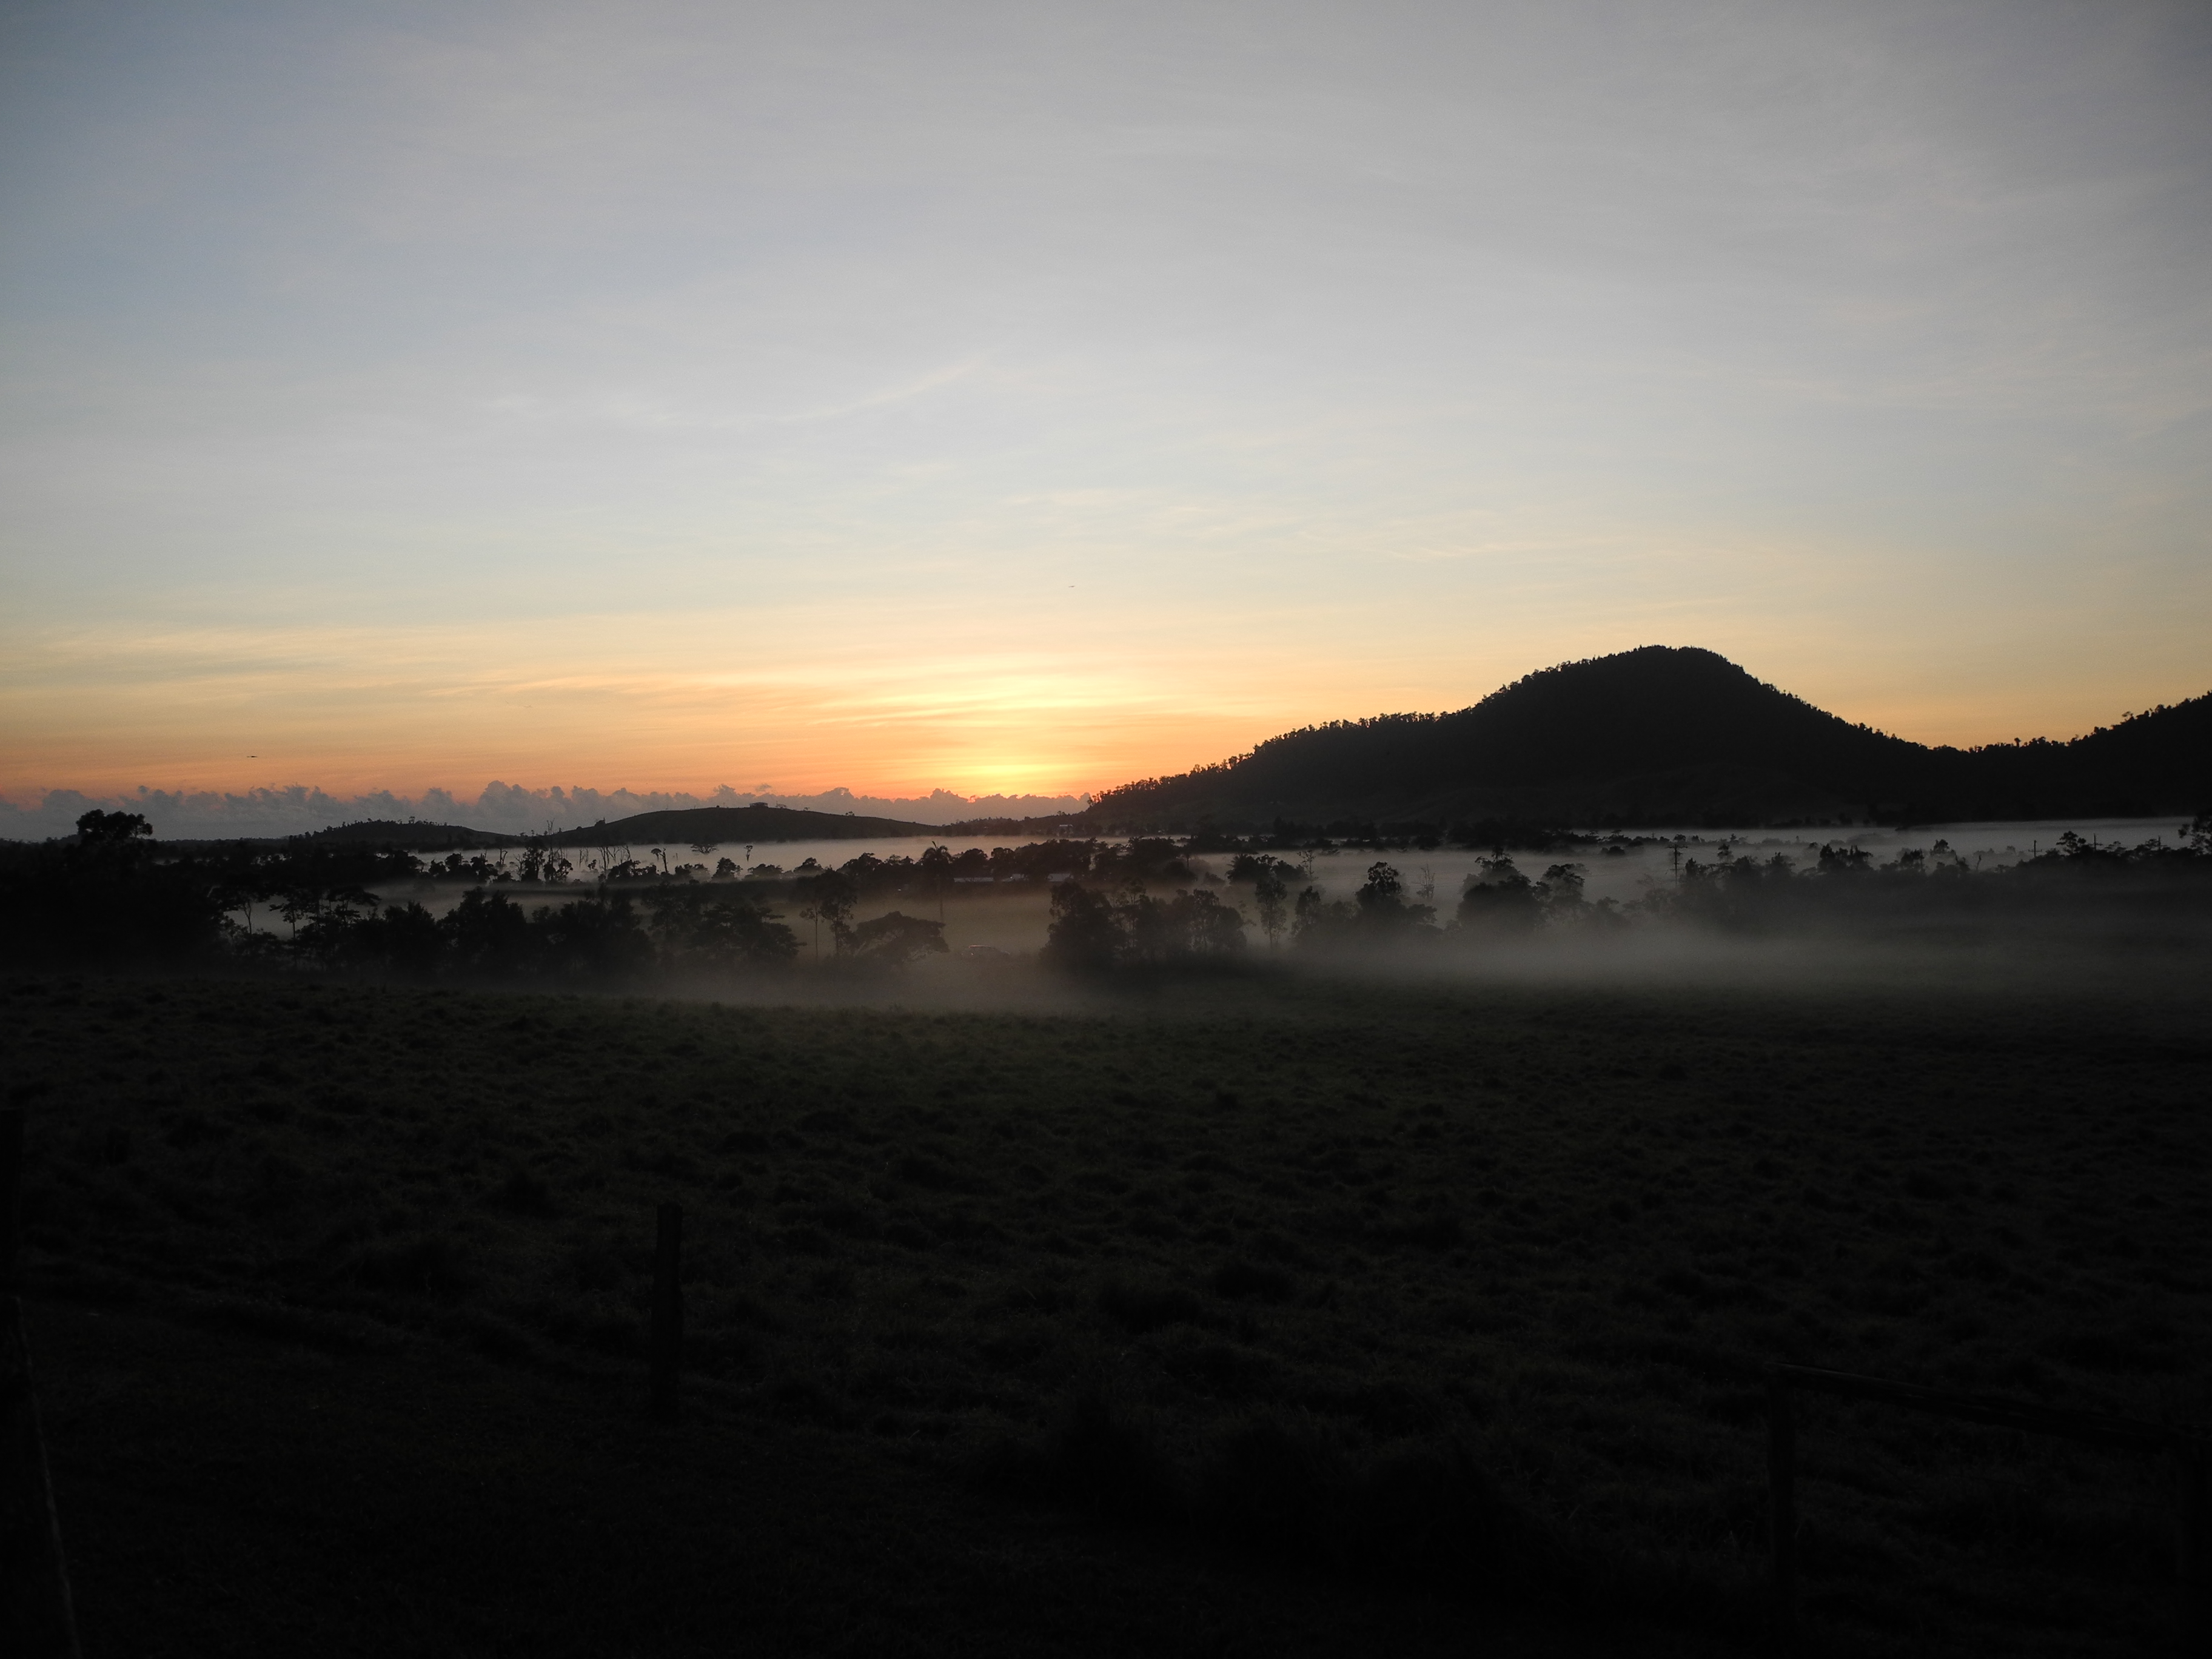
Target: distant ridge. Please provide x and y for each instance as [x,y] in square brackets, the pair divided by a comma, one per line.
[1668,735]
[757,824]
[413,837]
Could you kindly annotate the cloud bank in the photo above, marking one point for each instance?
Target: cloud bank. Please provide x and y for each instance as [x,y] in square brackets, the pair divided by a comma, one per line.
[298,809]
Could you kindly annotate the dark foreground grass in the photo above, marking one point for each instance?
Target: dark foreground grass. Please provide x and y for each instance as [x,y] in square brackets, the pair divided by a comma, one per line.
[229,1494]
[1460,1294]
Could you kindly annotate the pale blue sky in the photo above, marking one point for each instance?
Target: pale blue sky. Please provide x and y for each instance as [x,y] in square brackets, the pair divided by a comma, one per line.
[1031,397]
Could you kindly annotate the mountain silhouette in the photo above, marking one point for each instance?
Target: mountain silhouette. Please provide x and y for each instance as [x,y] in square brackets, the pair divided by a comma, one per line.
[1669,735]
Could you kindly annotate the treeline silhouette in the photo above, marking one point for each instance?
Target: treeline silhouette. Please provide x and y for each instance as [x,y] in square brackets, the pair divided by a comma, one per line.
[1661,735]
[1839,887]
[110,896]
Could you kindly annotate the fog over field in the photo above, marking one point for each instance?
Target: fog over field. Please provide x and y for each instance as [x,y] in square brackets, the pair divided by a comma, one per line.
[1013,913]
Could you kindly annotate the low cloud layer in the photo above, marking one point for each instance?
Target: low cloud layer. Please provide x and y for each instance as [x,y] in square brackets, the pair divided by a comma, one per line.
[506,808]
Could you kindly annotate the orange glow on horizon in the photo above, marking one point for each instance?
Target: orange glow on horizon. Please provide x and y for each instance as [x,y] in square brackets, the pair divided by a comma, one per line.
[353,712]
[667,398]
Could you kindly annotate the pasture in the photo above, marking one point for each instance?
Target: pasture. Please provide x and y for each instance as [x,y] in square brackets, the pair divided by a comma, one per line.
[1457,1298]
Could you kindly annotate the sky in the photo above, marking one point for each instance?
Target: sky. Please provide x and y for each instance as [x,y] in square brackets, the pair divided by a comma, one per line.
[1027,398]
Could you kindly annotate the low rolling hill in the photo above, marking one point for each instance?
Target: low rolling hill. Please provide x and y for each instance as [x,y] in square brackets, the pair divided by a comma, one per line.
[411,836]
[722,825]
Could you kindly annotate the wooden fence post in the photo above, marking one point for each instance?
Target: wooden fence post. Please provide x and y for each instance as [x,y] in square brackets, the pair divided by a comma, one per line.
[37,1619]
[667,1310]
[1782,1502]
[2193,1543]
[11,1188]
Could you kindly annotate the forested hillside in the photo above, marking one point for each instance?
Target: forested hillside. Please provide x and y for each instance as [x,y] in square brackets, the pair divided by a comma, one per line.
[1663,735]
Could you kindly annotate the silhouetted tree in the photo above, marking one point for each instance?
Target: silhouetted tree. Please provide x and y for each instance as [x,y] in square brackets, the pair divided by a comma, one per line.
[830,898]
[592,939]
[97,827]
[1384,915]
[895,939]
[1500,901]
[935,867]
[491,937]
[1190,925]
[405,939]
[1086,935]
[711,929]
[1272,893]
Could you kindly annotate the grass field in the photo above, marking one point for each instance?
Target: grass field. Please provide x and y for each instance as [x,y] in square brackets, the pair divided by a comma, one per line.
[1466,1293]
